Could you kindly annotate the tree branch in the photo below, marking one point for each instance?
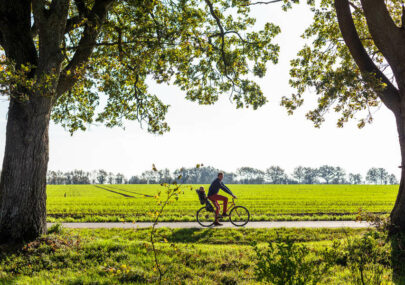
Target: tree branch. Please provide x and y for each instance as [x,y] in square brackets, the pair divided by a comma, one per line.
[1,40]
[355,7]
[83,14]
[403,17]
[389,38]
[71,22]
[15,30]
[222,33]
[86,45]
[51,29]
[81,7]
[230,32]
[34,30]
[389,95]
[264,2]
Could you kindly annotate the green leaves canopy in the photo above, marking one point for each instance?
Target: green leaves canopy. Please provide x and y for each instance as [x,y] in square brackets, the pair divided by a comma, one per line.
[205,47]
[327,67]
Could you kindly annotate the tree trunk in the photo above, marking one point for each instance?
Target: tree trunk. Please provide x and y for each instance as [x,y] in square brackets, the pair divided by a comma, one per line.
[398,212]
[23,177]
[397,227]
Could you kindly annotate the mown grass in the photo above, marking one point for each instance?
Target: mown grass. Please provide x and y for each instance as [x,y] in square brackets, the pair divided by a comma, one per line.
[121,256]
[114,203]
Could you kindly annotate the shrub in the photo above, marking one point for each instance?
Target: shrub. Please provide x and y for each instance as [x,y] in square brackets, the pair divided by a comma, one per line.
[367,257]
[55,229]
[288,263]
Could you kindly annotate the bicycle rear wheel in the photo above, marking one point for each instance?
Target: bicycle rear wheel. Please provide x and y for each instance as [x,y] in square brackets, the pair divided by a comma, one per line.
[205,218]
[239,216]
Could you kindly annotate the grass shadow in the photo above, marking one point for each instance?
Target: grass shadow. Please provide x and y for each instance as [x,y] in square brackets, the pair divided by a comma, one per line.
[122,194]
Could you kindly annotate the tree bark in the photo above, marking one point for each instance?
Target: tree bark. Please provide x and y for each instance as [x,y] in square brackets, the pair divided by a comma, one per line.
[397,217]
[398,212]
[23,177]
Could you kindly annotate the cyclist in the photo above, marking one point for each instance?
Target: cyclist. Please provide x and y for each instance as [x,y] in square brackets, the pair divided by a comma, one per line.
[214,197]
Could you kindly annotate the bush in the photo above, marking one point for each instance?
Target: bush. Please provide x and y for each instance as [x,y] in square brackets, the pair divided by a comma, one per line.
[288,263]
[367,257]
[55,229]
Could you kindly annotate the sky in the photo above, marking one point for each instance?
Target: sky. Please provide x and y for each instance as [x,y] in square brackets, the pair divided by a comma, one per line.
[227,138]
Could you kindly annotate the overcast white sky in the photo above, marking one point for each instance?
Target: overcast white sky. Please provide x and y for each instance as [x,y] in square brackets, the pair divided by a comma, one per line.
[227,138]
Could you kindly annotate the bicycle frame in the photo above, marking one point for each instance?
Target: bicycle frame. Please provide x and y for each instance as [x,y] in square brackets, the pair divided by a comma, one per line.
[231,205]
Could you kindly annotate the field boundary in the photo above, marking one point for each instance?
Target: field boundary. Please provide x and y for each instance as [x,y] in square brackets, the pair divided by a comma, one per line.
[270,215]
[176,225]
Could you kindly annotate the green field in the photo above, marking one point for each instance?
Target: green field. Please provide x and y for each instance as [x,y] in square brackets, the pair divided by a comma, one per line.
[265,202]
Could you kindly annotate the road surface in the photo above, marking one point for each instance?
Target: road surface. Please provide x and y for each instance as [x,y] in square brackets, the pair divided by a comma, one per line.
[268,225]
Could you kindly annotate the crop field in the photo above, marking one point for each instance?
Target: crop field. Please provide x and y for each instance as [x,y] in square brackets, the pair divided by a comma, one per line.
[133,203]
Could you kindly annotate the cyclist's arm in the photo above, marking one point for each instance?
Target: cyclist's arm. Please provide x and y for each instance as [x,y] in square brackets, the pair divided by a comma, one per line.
[226,189]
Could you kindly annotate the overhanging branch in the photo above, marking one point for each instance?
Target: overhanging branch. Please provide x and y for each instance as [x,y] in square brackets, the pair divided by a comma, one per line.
[221,33]
[264,2]
[86,44]
[388,37]
[389,95]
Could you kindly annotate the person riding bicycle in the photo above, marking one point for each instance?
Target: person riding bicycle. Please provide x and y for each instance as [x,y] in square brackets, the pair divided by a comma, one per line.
[214,197]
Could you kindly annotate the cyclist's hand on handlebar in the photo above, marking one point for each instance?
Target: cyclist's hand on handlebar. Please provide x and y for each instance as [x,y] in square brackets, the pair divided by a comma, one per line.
[234,197]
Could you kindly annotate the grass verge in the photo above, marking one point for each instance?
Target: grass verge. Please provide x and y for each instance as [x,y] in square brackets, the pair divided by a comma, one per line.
[122,256]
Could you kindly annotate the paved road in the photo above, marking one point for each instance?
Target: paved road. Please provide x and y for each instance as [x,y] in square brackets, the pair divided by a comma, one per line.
[174,225]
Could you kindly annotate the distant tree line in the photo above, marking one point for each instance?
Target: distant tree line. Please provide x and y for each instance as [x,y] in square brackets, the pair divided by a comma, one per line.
[82,177]
[325,174]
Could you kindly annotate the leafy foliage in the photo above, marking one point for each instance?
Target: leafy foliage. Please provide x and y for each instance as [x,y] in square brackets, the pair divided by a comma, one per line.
[206,47]
[326,67]
[285,262]
[367,257]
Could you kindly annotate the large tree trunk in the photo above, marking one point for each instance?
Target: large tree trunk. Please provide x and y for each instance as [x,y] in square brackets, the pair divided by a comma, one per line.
[23,177]
[397,227]
[398,212]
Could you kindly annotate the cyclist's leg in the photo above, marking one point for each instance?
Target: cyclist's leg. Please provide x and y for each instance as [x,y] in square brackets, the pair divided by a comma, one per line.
[225,200]
[217,197]
[214,201]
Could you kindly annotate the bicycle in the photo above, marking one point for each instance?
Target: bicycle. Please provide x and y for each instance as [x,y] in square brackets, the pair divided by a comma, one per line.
[238,215]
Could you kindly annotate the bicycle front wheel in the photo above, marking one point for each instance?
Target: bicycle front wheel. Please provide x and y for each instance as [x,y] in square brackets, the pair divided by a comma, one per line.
[205,218]
[239,216]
